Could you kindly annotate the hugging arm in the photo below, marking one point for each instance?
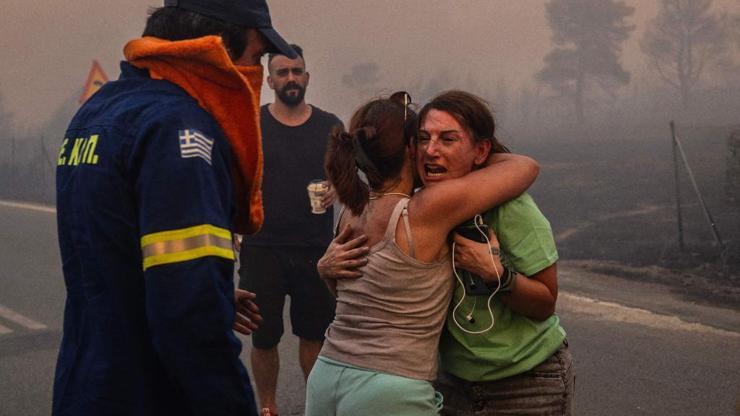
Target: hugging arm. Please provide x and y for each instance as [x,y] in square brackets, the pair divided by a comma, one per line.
[343,258]
[532,296]
[504,177]
[535,296]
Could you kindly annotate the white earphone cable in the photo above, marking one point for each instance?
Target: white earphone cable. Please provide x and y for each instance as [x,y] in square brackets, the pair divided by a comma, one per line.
[477,221]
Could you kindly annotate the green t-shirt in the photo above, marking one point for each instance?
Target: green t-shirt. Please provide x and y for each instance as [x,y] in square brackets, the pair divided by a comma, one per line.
[516,343]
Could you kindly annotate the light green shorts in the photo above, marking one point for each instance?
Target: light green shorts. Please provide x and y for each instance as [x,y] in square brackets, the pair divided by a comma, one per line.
[338,389]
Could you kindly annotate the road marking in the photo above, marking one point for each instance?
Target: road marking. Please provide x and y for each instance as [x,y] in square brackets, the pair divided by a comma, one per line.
[620,313]
[567,233]
[29,206]
[13,316]
[5,330]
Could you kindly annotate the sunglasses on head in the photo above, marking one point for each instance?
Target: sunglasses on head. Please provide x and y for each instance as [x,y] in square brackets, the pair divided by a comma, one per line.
[403,98]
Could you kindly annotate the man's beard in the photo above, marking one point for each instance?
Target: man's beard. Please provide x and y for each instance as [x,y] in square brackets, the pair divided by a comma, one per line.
[291,100]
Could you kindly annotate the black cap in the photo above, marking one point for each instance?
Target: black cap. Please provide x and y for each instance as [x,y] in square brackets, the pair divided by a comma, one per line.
[247,13]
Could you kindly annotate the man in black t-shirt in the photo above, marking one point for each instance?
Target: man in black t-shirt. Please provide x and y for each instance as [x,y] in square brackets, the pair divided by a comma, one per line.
[281,258]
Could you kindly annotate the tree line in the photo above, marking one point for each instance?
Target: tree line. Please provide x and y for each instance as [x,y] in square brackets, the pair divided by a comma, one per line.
[682,44]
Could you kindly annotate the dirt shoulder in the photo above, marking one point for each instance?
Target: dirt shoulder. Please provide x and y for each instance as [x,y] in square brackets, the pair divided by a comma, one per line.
[701,285]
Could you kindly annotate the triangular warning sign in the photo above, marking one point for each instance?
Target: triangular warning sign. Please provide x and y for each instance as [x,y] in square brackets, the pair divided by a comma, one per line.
[95,79]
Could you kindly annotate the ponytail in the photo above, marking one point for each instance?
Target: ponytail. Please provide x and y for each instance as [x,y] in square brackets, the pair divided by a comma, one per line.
[375,144]
[341,169]
[498,147]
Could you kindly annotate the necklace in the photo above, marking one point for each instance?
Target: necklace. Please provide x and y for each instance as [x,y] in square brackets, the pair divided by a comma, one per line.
[376,196]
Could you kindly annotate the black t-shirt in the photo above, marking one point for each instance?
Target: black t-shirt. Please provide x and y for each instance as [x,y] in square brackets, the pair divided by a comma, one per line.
[293,156]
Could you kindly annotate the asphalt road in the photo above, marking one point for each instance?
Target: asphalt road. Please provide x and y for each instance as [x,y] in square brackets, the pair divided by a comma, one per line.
[639,348]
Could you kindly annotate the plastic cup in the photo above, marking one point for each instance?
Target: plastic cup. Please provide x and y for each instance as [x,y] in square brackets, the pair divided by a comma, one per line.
[317,188]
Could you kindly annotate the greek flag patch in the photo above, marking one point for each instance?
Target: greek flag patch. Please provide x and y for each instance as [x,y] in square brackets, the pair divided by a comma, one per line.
[195,144]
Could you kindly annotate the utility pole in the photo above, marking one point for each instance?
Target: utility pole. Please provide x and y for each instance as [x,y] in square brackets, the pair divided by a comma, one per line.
[12,160]
[679,219]
[707,214]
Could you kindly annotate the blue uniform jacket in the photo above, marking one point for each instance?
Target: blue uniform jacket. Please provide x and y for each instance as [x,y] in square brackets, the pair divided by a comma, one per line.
[144,207]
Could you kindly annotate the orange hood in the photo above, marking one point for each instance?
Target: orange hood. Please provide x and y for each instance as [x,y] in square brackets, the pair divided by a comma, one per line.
[231,94]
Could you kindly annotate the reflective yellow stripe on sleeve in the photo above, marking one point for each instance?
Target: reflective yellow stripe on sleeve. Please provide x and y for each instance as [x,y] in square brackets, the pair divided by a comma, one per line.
[185,244]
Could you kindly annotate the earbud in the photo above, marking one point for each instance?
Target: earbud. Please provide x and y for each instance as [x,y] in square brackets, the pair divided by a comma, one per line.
[470,318]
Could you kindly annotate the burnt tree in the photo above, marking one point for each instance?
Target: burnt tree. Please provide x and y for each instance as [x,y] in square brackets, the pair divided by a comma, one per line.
[587,36]
[682,41]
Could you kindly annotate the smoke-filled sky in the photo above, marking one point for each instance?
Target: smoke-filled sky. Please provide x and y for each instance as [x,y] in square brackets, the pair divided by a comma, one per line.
[48,46]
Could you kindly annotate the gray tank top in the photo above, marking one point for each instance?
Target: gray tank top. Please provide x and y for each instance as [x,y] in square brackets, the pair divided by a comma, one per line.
[390,319]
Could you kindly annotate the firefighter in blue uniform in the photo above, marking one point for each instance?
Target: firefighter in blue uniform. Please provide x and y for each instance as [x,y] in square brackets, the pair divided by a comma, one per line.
[149,179]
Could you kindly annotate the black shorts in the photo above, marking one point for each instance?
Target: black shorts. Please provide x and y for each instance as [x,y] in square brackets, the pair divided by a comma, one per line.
[273,272]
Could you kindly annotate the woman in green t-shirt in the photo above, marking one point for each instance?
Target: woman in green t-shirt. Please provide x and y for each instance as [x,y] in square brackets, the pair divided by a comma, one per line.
[502,349]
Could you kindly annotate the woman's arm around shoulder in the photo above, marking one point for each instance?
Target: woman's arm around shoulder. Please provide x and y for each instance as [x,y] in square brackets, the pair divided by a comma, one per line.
[504,177]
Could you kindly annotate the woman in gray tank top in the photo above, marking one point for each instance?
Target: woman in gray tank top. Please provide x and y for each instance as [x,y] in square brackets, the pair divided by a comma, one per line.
[380,352]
